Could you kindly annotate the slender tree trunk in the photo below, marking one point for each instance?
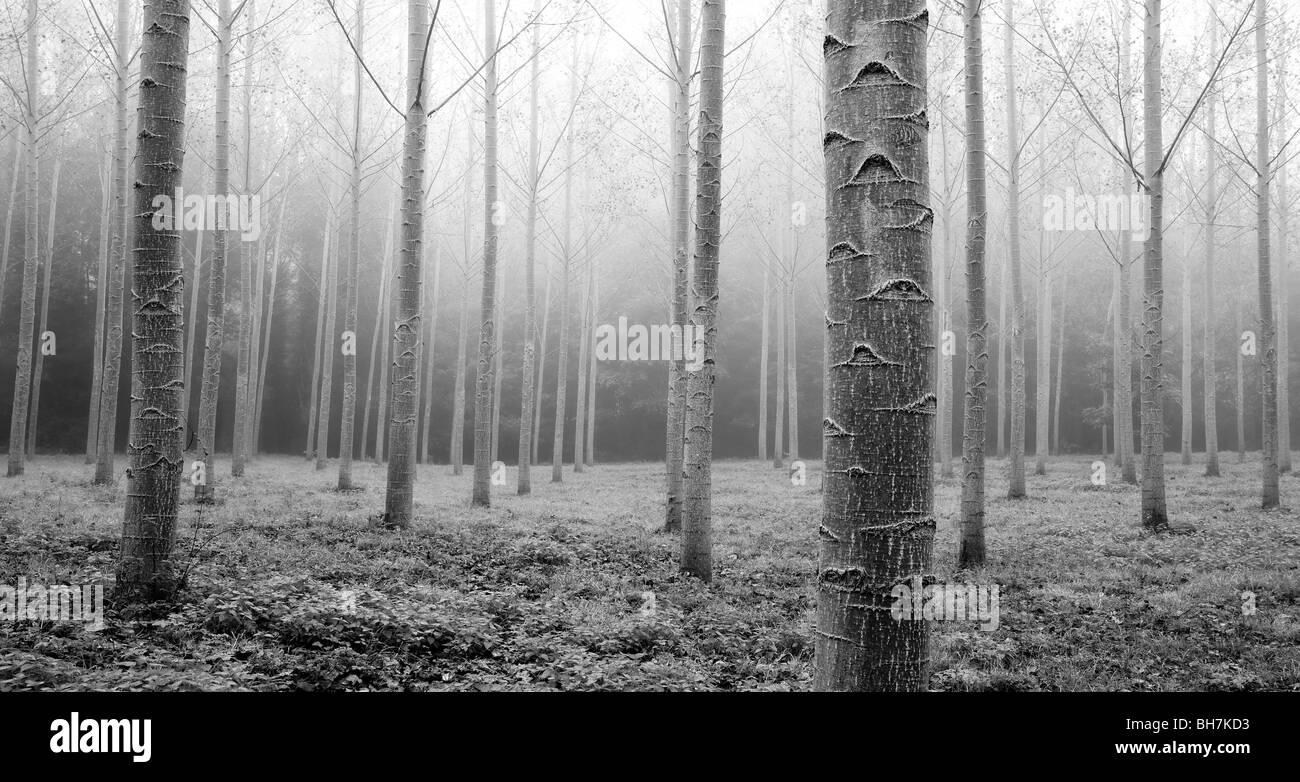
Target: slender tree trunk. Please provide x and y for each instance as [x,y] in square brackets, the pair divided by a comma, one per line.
[1060,369]
[487,341]
[566,270]
[1043,371]
[20,165]
[1241,397]
[944,406]
[45,308]
[244,313]
[329,260]
[1186,363]
[347,426]
[426,433]
[1209,368]
[1004,293]
[1154,516]
[458,413]
[589,453]
[145,570]
[529,366]
[498,357]
[697,478]
[792,365]
[31,187]
[541,365]
[778,454]
[191,334]
[400,500]
[1283,275]
[1267,325]
[385,274]
[214,339]
[580,409]
[877,524]
[1124,369]
[1016,488]
[322,346]
[270,320]
[762,366]
[974,416]
[675,435]
[101,301]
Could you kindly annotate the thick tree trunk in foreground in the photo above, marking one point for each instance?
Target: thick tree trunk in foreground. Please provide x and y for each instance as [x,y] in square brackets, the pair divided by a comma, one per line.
[697,473]
[1154,515]
[877,508]
[1267,323]
[484,381]
[974,411]
[157,324]
[399,502]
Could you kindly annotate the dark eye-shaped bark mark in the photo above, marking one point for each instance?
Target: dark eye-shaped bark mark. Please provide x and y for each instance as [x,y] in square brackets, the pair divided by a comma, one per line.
[920,523]
[832,45]
[843,579]
[834,139]
[876,170]
[899,289]
[876,74]
[917,118]
[833,323]
[831,428]
[915,216]
[845,251]
[923,406]
[866,356]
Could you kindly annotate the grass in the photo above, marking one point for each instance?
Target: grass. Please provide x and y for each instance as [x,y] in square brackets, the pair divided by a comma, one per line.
[573,587]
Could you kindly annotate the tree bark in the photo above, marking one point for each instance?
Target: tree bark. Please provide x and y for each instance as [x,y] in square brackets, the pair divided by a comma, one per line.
[1154,515]
[400,499]
[101,300]
[1208,313]
[877,523]
[675,434]
[27,316]
[330,257]
[155,443]
[974,412]
[347,426]
[697,478]
[214,339]
[527,398]
[1016,487]
[1267,324]
[35,414]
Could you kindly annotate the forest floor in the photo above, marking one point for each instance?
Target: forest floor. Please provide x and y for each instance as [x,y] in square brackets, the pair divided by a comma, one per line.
[574,588]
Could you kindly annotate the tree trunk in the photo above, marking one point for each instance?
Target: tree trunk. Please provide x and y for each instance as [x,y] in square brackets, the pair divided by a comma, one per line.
[1283,263]
[778,453]
[675,434]
[584,344]
[9,218]
[974,412]
[27,317]
[1043,371]
[270,320]
[1241,397]
[400,500]
[385,265]
[487,341]
[1185,375]
[1209,369]
[877,523]
[566,270]
[527,398]
[145,571]
[697,477]
[35,416]
[1060,370]
[457,454]
[1267,326]
[214,339]
[498,357]
[1154,516]
[330,257]
[792,365]
[426,432]
[541,365]
[347,426]
[101,301]
[1124,334]
[1016,488]
[762,366]
[322,346]
[589,453]
[243,256]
